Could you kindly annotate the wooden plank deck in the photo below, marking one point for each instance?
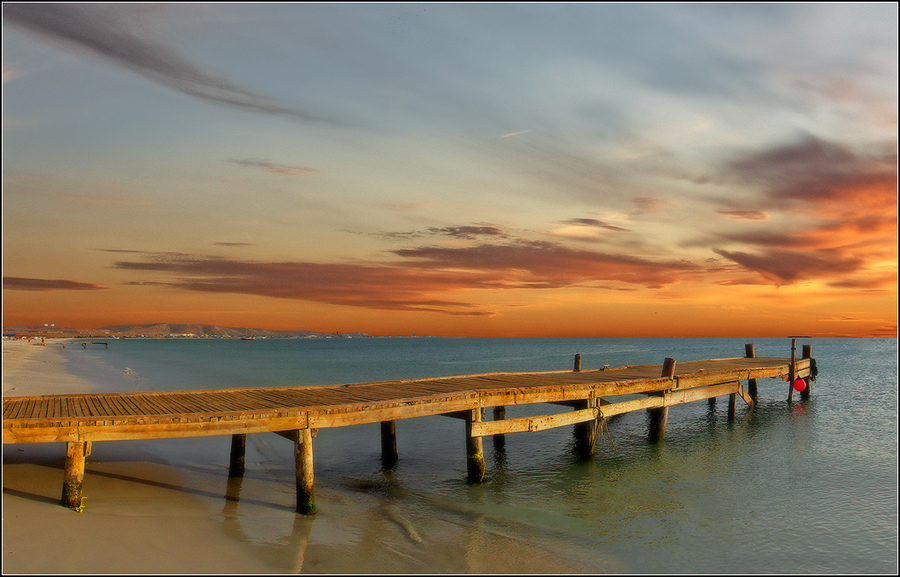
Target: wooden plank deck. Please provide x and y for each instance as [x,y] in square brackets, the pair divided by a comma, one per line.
[297,412]
[141,415]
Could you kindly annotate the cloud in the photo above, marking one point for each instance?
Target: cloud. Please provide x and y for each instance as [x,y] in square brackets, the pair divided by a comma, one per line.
[531,264]
[745,214]
[785,267]
[367,285]
[464,232]
[421,281]
[275,168]
[511,134]
[594,223]
[102,30]
[843,204]
[822,178]
[468,232]
[9,73]
[39,284]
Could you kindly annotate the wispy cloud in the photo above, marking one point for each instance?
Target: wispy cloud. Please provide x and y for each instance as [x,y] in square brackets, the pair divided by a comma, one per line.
[462,232]
[104,31]
[593,223]
[423,280]
[275,168]
[745,214]
[543,264]
[40,284]
[367,285]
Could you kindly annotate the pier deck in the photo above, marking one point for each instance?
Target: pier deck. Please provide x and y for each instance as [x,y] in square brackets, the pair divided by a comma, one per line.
[297,412]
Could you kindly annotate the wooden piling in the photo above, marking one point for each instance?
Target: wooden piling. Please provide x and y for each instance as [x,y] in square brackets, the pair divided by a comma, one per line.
[807,354]
[659,416]
[73,479]
[586,432]
[750,351]
[577,367]
[474,449]
[732,406]
[303,461]
[389,456]
[792,372]
[499,440]
[238,452]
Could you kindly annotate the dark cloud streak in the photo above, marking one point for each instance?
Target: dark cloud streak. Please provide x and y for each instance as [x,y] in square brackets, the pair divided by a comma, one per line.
[275,168]
[418,281]
[102,30]
[40,284]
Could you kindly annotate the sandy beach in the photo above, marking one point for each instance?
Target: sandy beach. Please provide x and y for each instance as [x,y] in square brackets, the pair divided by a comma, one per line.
[133,522]
[162,506]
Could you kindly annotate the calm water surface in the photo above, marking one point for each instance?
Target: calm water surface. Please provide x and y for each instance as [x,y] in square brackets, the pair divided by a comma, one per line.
[804,487]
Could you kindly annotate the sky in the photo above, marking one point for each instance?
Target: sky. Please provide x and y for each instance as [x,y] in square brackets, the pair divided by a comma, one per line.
[472,169]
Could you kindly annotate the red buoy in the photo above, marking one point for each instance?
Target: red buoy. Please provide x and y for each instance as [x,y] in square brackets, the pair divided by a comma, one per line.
[799,385]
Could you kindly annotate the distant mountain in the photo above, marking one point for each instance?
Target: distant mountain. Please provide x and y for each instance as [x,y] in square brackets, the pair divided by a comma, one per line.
[169,330]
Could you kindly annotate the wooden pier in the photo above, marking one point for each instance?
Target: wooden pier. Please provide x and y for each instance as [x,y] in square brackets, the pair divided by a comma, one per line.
[298,412]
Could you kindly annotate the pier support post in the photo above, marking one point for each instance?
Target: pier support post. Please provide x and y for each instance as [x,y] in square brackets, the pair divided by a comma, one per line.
[499,440]
[577,366]
[732,406]
[389,455]
[658,417]
[303,461]
[73,479]
[792,373]
[585,433]
[807,354]
[238,452]
[474,449]
[750,351]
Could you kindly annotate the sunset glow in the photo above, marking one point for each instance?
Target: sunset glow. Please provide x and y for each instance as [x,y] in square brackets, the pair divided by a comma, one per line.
[453,169]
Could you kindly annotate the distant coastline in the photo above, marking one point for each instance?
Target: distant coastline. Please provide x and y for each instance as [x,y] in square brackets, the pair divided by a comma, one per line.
[168,331]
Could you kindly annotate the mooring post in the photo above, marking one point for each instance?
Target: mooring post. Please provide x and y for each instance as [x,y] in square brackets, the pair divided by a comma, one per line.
[791,371]
[389,455]
[585,433]
[499,440]
[577,367]
[750,350]
[658,417]
[73,476]
[303,461]
[474,449]
[807,354]
[238,451]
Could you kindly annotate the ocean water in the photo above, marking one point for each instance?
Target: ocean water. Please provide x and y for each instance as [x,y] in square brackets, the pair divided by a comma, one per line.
[802,487]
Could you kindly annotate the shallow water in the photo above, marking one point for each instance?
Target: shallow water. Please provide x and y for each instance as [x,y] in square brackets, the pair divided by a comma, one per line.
[786,488]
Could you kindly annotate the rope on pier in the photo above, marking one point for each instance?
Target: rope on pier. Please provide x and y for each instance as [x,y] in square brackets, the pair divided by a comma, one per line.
[601,421]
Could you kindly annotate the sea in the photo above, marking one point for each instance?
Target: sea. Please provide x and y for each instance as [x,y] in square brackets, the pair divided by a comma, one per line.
[808,486]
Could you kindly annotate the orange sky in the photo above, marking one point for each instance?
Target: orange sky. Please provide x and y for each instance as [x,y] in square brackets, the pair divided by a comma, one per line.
[632,170]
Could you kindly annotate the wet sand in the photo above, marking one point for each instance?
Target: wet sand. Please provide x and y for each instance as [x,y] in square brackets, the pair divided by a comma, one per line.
[164,506]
